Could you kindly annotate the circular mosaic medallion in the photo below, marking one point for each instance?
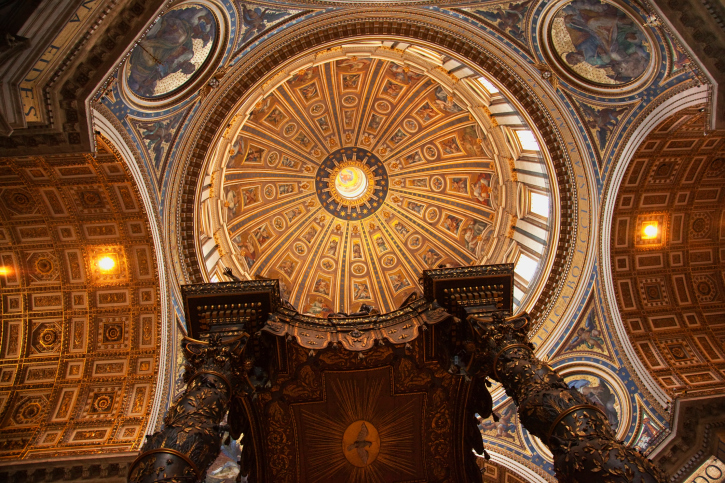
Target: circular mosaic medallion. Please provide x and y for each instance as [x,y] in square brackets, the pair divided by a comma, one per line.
[300,249]
[389,261]
[599,43]
[278,223]
[177,48]
[410,125]
[430,152]
[382,106]
[290,129]
[328,264]
[351,183]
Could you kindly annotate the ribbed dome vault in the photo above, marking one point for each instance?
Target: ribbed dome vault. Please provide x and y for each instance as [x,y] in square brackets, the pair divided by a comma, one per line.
[355,174]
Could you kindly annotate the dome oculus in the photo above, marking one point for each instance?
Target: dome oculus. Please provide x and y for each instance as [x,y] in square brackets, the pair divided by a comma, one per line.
[351,183]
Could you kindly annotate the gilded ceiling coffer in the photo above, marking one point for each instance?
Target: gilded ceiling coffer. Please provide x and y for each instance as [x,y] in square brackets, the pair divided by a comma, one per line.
[191,437]
[366,395]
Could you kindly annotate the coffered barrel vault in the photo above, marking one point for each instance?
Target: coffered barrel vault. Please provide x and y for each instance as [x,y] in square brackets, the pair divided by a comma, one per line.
[80,344]
[669,284]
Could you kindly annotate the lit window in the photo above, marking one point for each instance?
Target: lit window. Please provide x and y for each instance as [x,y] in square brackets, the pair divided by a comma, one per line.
[422,51]
[487,85]
[215,278]
[526,267]
[527,140]
[539,204]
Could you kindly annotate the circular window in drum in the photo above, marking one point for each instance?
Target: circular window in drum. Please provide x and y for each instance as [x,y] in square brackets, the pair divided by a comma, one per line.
[174,53]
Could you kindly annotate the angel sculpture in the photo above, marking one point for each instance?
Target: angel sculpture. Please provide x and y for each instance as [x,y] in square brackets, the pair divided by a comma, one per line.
[255,20]
[588,335]
[360,444]
[505,427]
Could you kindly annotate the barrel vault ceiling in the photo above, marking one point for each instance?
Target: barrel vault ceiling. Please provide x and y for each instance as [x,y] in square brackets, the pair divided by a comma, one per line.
[184,154]
[80,353]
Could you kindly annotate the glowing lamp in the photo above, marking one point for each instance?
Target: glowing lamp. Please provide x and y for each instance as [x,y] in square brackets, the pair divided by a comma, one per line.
[650,230]
[106,263]
[4,270]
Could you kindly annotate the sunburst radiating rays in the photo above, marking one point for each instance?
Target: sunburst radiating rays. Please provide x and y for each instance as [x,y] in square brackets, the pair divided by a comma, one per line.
[440,205]
[350,399]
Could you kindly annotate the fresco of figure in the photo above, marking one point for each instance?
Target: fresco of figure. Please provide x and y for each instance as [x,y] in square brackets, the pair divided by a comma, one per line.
[588,336]
[509,17]
[360,291]
[481,188]
[169,48]
[232,204]
[473,235]
[246,249]
[602,122]
[157,135]
[599,393]
[505,427]
[322,286]
[255,20]
[606,38]
[319,308]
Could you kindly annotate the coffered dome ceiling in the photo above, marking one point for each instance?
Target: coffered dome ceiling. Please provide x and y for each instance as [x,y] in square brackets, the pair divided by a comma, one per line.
[355,174]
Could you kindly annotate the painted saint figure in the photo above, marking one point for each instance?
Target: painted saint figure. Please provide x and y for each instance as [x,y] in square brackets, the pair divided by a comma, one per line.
[287,267]
[356,251]
[600,395]
[255,20]
[322,286]
[332,247]
[505,427]
[169,48]
[606,38]
[481,188]
[360,291]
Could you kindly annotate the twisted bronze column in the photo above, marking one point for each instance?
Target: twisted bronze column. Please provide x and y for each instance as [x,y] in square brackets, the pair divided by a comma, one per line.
[577,432]
[191,437]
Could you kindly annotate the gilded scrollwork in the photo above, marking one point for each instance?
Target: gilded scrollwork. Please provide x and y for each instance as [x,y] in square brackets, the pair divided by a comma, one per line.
[356,332]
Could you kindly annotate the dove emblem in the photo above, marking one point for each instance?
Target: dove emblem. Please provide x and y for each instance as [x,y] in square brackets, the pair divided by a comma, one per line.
[361,443]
